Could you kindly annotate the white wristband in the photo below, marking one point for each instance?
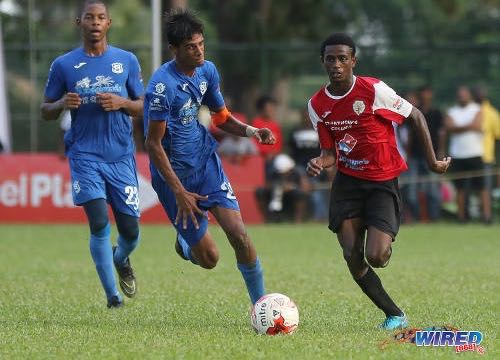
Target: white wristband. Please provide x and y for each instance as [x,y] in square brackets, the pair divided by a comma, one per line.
[251,131]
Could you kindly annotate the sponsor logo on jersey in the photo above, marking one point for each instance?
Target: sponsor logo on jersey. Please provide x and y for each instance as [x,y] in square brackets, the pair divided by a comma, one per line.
[203,87]
[184,86]
[88,89]
[398,103]
[325,114]
[189,112]
[117,68]
[79,65]
[155,104]
[347,143]
[358,106]
[76,187]
[354,164]
[341,125]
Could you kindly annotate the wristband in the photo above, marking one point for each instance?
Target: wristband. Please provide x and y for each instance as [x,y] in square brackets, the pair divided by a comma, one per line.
[251,131]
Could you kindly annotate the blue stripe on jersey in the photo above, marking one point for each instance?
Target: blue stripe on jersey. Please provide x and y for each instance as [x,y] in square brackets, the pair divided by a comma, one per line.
[176,98]
[95,134]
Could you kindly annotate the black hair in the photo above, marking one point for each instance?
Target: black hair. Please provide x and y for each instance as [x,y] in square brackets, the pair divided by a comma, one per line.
[85,3]
[181,25]
[263,101]
[338,39]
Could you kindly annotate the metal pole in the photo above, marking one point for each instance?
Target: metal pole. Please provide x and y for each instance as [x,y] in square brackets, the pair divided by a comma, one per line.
[33,78]
[156,33]
[5,134]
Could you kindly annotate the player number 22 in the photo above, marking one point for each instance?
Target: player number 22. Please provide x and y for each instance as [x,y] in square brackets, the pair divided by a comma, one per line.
[226,186]
[132,196]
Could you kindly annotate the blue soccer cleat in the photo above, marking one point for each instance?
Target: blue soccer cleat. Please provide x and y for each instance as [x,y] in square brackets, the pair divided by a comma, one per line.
[394,322]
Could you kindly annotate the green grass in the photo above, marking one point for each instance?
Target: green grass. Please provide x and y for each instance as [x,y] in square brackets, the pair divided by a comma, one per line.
[52,306]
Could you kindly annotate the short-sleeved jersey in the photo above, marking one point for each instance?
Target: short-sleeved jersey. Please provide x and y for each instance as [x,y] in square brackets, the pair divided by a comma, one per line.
[95,134]
[359,125]
[176,98]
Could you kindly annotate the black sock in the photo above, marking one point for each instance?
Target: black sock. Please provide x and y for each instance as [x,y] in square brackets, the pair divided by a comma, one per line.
[372,287]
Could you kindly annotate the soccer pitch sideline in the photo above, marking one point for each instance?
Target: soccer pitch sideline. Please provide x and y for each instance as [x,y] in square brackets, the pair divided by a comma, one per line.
[52,306]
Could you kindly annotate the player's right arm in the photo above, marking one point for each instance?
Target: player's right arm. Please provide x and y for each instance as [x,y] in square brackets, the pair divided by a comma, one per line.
[420,125]
[57,98]
[328,156]
[51,109]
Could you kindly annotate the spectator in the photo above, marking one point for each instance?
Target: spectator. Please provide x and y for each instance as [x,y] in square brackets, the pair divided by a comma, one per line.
[491,132]
[417,164]
[266,118]
[304,145]
[236,149]
[285,194]
[463,125]
[402,133]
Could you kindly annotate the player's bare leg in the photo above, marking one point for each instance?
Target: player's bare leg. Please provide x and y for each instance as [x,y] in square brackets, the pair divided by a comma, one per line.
[205,252]
[231,222]
[351,238]
[246,255]
[378,247]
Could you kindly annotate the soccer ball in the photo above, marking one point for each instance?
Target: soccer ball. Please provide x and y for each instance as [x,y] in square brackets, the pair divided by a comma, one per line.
[275,314]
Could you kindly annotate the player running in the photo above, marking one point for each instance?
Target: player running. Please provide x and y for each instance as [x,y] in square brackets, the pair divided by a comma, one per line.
[354,118]
[102,86]
[186,172]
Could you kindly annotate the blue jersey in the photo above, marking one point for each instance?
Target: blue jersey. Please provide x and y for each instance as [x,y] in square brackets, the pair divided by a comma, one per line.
[95,134]
[176,98]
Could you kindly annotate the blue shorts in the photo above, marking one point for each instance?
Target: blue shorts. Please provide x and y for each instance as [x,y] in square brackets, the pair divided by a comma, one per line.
[210,180]
[116,182]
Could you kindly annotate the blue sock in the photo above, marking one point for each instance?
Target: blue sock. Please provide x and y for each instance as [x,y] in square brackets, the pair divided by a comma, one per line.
[186,249]
[254,279]
[102,254]
[124,249]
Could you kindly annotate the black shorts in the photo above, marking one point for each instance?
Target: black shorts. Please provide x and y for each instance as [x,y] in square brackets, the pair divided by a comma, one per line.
[378,203]
[463,166]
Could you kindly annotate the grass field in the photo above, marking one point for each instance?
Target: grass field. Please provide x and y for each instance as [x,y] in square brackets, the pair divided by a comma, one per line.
[52,306]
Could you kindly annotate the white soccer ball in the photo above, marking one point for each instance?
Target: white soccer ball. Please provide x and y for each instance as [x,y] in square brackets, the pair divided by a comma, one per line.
[275,314]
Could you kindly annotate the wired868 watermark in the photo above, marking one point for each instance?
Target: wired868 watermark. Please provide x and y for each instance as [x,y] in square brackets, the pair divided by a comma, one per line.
[461,340]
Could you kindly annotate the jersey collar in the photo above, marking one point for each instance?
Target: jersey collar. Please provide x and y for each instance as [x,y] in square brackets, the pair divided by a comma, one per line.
[341,96]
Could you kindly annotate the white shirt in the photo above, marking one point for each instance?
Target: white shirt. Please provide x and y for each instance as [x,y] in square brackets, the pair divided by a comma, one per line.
[466,144]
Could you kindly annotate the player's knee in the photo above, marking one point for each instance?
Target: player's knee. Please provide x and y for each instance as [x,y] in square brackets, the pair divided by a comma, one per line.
[351,256]
[209,259]
[130,233]
[242,243]
[378,259]
[97,226]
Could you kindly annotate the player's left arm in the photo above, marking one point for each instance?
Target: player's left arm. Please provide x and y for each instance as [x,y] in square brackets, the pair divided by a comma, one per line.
[113,102]
[133,104]
[419,124]
[224,120]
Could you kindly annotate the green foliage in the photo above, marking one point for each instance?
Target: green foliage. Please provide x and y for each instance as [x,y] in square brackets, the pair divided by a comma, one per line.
[52,306]
[258,44]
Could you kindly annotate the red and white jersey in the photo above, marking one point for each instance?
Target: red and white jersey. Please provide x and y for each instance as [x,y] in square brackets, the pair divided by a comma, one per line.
[359,125]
